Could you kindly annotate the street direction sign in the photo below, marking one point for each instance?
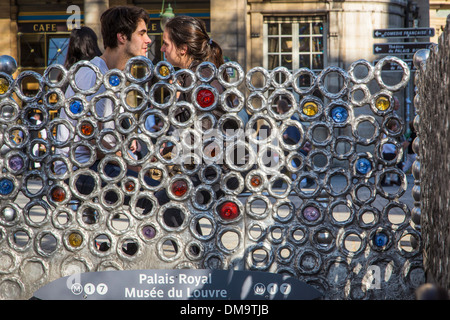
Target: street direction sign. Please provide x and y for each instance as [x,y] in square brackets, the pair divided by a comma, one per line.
[400,48]
[396,67]
[404,33]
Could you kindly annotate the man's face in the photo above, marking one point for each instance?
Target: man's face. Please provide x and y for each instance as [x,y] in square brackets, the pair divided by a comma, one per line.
[139,42]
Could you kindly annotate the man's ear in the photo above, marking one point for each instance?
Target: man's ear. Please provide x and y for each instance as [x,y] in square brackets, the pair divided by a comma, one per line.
[121,38]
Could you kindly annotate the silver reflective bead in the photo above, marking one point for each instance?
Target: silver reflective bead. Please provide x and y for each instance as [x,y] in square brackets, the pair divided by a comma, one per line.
[8,64]
[9,214]
[420,57]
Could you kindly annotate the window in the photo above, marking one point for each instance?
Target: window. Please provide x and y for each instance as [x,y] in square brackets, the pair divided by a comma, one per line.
[32,51]
[57,50]
[294,42]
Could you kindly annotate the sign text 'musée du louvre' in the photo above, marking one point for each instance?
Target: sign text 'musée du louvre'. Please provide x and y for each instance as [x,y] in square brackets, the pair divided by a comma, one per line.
[177,284]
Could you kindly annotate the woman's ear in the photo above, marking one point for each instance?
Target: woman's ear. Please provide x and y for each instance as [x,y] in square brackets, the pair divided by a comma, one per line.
[183,49]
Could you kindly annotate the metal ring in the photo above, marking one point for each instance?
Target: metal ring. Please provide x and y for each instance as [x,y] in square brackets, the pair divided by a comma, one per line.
[233,163]
[335,121]
[60,99]
[96,188]
[255,186]
[355,130]
[183,72]
[256,95]
[321,83]
[366,79]
[240,183]
[313,81]
[189,186]
[173,205]
[72,78]
[231,134]
[161,117]
[118,161]
[89,147]
[142,96]
[315,102]
[62,77]
[230,65]
[363,101]
[151,166]
[253,139]
[168,101]
[284,71]
[267,78]
[182,105]
[270,103]
[284,126]
[102,135]
[225,98]
[280,203]
[139,60]
[405,76]
[196,194]
[18,84]
[209,76]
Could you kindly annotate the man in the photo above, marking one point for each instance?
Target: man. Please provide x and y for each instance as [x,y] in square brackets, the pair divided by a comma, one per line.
[124,31]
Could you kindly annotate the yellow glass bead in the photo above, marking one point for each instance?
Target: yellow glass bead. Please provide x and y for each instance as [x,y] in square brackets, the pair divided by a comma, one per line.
[164,71]
[382,103]
[75,239]
[4,85]
[310,108]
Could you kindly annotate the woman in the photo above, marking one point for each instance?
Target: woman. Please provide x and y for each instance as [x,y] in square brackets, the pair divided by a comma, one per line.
[82,46]
[186,44]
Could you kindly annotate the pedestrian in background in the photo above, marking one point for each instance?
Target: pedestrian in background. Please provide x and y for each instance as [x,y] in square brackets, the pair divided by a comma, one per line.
[82,46]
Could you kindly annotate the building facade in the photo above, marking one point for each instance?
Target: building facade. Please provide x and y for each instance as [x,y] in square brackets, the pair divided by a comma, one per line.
[268,33]
[439,10]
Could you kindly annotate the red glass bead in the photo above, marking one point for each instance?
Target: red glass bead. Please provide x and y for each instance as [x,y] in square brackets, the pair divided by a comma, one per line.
[205,98]
[58,194]
[179,188]
[229,210]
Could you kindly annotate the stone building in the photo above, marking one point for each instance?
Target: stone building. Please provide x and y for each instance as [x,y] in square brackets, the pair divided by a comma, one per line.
[268,33]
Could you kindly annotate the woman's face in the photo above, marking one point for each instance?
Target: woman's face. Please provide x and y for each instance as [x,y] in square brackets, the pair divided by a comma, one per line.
[177,57]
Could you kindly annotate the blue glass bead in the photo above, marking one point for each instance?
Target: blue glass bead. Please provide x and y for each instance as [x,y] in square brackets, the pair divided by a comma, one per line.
[76,106]
[381,239]
[6,186]
[363,166]
[311,213]
[16,163]
[114,80]
[339,114]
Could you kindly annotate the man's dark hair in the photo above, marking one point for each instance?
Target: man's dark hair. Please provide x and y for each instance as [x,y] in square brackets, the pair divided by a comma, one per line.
[120,19]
